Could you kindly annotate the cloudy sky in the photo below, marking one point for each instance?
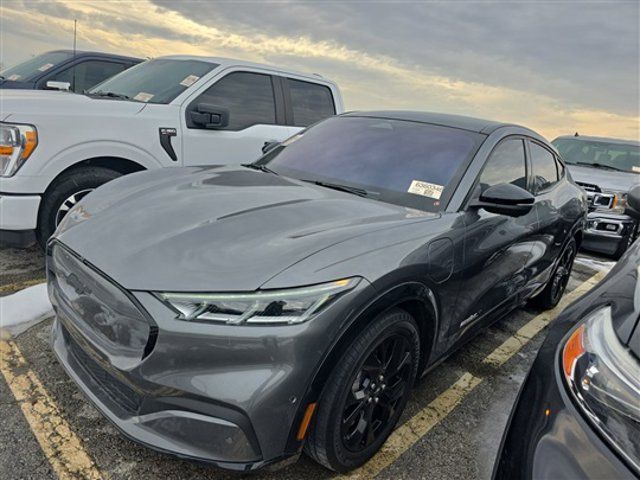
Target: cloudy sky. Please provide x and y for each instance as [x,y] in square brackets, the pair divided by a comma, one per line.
[555,66]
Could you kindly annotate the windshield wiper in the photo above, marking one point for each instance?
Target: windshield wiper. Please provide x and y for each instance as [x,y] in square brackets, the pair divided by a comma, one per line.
[597,165]
[342,188]
[261,167]
[102,93]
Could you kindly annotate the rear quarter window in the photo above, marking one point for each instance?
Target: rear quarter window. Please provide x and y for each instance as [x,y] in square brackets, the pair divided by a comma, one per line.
[310,102]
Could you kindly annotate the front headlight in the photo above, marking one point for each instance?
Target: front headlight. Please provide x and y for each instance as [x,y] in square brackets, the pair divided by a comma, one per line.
[604,378]
[17,143]
[294,305]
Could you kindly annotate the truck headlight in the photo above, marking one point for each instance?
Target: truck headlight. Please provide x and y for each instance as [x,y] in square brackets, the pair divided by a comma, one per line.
[288,306]
[604,378]
[17,143]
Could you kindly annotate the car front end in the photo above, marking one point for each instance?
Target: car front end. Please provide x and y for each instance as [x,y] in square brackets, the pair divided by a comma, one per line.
[578,412]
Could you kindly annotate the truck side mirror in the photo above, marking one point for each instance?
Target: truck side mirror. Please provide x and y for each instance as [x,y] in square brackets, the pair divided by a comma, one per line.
[211,117]
[54,85]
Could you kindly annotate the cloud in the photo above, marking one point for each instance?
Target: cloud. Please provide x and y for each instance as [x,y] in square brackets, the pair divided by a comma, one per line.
[491,60]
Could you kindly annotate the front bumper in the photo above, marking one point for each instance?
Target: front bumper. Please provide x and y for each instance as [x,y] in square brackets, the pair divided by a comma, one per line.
[230,395]
[547,437]
[18,219]
[605,232]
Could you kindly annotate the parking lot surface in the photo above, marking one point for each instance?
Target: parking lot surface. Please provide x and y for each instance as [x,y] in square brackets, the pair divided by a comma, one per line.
[451,429]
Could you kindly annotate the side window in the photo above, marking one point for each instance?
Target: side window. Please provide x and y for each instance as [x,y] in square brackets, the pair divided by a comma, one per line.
[310,102]
[248,97]
[544,167]
[87,74]
[505,165]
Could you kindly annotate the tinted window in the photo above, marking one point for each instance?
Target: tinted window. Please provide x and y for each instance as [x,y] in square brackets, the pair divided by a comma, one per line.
[543,164]
[87,74]
[35,66]
[505,165]
[310,102]
[248,96]
[156,81]
[407,163]
[599,154]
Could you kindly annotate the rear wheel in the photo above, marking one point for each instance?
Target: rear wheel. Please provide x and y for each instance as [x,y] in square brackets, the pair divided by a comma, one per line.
[65,192]
[626,242]
[557,284]
[366,393]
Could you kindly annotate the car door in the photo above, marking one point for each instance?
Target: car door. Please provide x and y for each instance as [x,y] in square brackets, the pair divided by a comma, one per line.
[255,109]
[497,247]
[547,181]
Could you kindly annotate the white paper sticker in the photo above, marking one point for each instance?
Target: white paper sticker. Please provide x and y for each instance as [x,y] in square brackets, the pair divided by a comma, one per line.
[426,189]
[635,169]
[143,96]
[190,80]
[45,67]
[13,77]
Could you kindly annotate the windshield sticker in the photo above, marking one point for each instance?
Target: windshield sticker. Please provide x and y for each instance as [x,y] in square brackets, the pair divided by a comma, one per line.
[635,169]
[190,80]
[426,189]
[143,96]
[13,77]
[45,67]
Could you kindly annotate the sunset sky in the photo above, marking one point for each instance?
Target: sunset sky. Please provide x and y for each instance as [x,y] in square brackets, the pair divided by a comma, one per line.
[555,66]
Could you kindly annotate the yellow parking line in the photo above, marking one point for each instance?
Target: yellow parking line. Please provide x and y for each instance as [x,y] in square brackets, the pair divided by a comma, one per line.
[15,286]
[60,444]
[408,434]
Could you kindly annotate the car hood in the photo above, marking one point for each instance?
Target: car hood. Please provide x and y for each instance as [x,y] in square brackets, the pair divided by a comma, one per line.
[218,228]
[607,180]
[34,103]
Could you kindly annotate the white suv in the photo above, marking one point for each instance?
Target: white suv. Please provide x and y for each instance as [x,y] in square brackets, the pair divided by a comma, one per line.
[55,147]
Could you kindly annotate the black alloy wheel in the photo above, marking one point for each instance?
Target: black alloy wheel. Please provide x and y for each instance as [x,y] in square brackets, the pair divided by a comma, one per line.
[557,284]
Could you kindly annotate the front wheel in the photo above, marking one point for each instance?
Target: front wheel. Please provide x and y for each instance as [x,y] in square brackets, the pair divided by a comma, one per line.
[65,192]
[557,284]
[366,393]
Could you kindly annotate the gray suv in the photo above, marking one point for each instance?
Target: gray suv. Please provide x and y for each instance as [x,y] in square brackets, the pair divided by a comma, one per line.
[607,169]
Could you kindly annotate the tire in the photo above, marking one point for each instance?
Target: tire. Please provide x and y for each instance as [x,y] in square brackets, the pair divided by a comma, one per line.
[557,284]
[626,243]
[353,394]
[78,182]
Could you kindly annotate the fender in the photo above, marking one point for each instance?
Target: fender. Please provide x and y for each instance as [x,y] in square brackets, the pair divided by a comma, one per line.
[378,302]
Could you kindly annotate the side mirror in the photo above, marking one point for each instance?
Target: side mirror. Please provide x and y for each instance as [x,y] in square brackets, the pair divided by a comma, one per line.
[208,116]
[505,199]
[269,145]
[633,202]
[53,85]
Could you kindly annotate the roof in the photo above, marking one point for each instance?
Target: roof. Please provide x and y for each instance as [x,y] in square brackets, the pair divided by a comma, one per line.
[231,62]
[80,53]
[454,121]
[587,138]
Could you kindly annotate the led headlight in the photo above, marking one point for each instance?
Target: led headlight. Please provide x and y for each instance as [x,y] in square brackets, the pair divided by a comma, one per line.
[294,305]
[17,143]
[604,378]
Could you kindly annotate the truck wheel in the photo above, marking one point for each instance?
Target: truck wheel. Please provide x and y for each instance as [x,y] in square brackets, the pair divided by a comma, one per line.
[65,192]
[366,393]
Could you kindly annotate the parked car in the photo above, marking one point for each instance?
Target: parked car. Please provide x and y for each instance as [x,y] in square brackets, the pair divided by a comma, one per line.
[167,112]
[237,313]
[578,413]
[607,169]
[79,71]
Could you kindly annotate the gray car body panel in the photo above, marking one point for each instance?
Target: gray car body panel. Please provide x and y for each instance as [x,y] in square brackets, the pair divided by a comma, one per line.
[236,229]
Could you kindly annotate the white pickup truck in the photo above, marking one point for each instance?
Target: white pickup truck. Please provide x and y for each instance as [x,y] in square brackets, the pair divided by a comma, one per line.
[55,147]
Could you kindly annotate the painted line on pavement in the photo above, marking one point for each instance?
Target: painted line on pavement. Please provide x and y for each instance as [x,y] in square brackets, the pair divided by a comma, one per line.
[409,433]
[61,446]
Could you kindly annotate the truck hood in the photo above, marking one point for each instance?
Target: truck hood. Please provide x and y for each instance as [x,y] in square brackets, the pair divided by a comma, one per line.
[217,228]
[38,102]
[607,180]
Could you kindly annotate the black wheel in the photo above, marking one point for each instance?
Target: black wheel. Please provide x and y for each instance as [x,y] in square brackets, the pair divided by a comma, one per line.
[626,242]
[552,293]
[366,393]
[65,192]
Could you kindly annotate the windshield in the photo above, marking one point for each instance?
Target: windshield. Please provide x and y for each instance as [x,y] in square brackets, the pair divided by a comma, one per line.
[155,81]
[35,66]
[406,163]
[599,154]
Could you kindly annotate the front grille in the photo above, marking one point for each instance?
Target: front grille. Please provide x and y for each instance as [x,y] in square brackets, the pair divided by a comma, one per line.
[119,393]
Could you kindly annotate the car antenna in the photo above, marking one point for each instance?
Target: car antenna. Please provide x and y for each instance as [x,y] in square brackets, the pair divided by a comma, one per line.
[576,134]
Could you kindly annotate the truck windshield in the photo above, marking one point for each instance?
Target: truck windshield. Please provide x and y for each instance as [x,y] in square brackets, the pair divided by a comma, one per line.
[25,71]
[154,81]
[600,154]
[402,162]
